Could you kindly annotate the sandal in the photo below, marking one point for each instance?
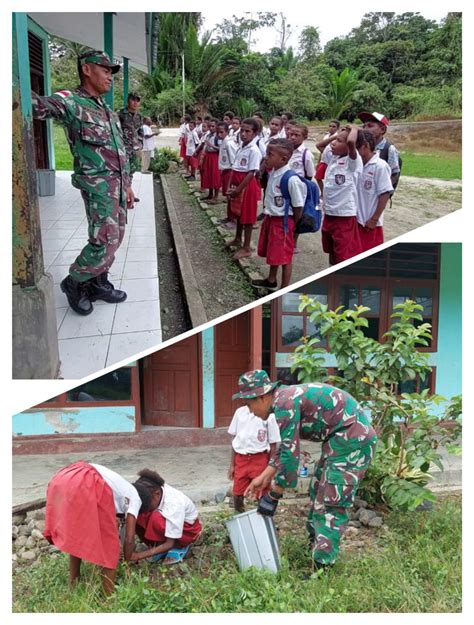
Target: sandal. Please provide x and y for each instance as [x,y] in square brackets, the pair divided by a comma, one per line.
[177,555]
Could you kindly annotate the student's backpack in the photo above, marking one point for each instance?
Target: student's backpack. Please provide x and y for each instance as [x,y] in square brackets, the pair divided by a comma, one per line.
[311,219]
[384,156]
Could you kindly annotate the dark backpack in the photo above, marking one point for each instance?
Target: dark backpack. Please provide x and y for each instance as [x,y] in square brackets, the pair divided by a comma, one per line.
[311,219]
[384,156]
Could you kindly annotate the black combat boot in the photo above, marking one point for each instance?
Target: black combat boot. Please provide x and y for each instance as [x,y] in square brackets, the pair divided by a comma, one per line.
[100,288]
[77,295]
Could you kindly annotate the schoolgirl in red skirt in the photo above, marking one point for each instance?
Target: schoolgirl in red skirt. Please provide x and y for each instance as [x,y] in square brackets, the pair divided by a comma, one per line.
[244,189]
[172,526]
[82,504]
[210,175]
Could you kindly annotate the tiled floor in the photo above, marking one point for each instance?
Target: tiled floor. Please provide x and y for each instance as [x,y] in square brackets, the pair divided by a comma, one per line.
[112,332]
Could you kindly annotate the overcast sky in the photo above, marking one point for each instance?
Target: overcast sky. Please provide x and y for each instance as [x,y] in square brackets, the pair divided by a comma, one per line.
[330,23]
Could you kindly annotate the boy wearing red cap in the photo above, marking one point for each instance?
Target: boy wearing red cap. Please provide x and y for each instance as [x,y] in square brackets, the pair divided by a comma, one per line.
[377,124]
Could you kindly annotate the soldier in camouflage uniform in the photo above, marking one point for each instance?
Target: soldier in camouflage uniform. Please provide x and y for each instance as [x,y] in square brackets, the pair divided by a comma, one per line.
[320,412]
[101,172]
[132,130]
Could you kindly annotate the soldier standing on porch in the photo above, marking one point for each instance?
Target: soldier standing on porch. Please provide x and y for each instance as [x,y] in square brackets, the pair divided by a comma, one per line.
[132,129]
[313,411]
[101,173]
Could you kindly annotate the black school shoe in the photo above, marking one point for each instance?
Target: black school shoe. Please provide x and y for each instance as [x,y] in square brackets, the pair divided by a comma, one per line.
[100,288]
[77,294]
[265,284]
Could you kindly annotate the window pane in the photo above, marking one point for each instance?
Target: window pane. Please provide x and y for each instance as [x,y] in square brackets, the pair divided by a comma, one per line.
[290,302]
[401,294]
[372,331]
[291,329]
[424,297]
[349,296]
[313,331]
[114,386]
[371,298]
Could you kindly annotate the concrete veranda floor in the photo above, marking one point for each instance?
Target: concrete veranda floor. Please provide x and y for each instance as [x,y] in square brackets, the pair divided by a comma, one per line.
[113,331]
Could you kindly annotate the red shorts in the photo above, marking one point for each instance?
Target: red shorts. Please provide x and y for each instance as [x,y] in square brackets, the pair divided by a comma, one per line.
[273,243]
[370,238]
[246,468]
[182,147]
[151,528]
[244,206]
[210,174]
[320,171]
[193,162]
[80,515]
[340,238]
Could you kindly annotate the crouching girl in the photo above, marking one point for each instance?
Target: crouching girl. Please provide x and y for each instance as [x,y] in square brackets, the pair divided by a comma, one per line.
[83,502]
[172,526]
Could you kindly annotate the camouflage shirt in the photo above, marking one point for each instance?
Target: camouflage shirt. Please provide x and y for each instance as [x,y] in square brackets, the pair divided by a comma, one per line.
[94,135]
[132,129]
[315,411]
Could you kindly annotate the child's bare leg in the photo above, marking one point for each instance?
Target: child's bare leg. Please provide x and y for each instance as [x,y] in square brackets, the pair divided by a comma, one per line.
[74,570]
[272,274]
[286,275]
[108,580]
[246,249]
[237,240]
[296,235]
[239,503]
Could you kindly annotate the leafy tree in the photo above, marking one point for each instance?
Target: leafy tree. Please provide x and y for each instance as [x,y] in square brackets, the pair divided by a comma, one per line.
[409,431]
[309,45]
[340,90]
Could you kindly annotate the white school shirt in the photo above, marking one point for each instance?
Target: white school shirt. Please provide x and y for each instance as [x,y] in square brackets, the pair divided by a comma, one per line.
[204,137]
[266,140]
[148,139]
[177,509]
[248,157]
[306,168]
[326,156]
[236,137]
[126,497]
[182,130]
[274,202]
[340,186]
[227,152]
[374,180]
[192,141]
[211,138]
[252,435]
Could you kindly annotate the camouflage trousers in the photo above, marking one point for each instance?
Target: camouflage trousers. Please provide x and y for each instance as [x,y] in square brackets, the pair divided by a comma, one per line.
[107,217]
[332,490]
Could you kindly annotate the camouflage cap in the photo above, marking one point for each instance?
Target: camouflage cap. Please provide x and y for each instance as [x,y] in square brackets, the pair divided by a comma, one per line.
[99,58]
[253,384]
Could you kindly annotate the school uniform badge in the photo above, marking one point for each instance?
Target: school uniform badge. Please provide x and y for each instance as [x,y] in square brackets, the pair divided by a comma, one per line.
[340,178]
[243,162]
[368,184]
[261,436]
[279,201]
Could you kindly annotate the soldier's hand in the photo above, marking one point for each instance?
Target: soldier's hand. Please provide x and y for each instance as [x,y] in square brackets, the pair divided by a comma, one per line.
[256,485]
[267,505]
[130,198]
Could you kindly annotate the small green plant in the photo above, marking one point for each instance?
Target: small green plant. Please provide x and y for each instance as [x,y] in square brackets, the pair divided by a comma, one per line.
[163,157]
[409,430]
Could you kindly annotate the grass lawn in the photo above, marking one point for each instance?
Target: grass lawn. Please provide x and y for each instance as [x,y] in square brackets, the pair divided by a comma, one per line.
[446,166]
[411,564]
[62,152]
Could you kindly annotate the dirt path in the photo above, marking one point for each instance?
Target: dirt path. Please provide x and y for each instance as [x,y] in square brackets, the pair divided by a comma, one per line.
[222,286]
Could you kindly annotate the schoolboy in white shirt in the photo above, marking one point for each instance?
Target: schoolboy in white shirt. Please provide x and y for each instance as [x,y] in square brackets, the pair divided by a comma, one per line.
[374,189]
[339,233]
[253,445]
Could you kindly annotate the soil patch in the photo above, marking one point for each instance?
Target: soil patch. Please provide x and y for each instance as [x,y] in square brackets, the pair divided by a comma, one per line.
[222,286]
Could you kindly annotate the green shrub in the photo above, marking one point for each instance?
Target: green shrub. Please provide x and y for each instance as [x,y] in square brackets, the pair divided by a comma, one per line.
[160,162]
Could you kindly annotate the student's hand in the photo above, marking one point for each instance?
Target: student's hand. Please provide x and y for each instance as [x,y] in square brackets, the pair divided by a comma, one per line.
[230,473]
[371,223]
[232,192]
[130,198]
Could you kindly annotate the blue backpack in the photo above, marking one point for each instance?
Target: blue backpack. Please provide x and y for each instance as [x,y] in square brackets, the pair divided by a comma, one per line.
[311,219]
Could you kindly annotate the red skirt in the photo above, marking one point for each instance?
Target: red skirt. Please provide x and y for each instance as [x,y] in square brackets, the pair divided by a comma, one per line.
[225,177]
[210,173]
[244,205]
[151,528]
[80,515]
[193,162]
[274,244]
[182,147]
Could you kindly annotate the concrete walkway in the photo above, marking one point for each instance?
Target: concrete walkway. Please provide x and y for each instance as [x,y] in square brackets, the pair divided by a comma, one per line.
[112,332]
[200,472]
